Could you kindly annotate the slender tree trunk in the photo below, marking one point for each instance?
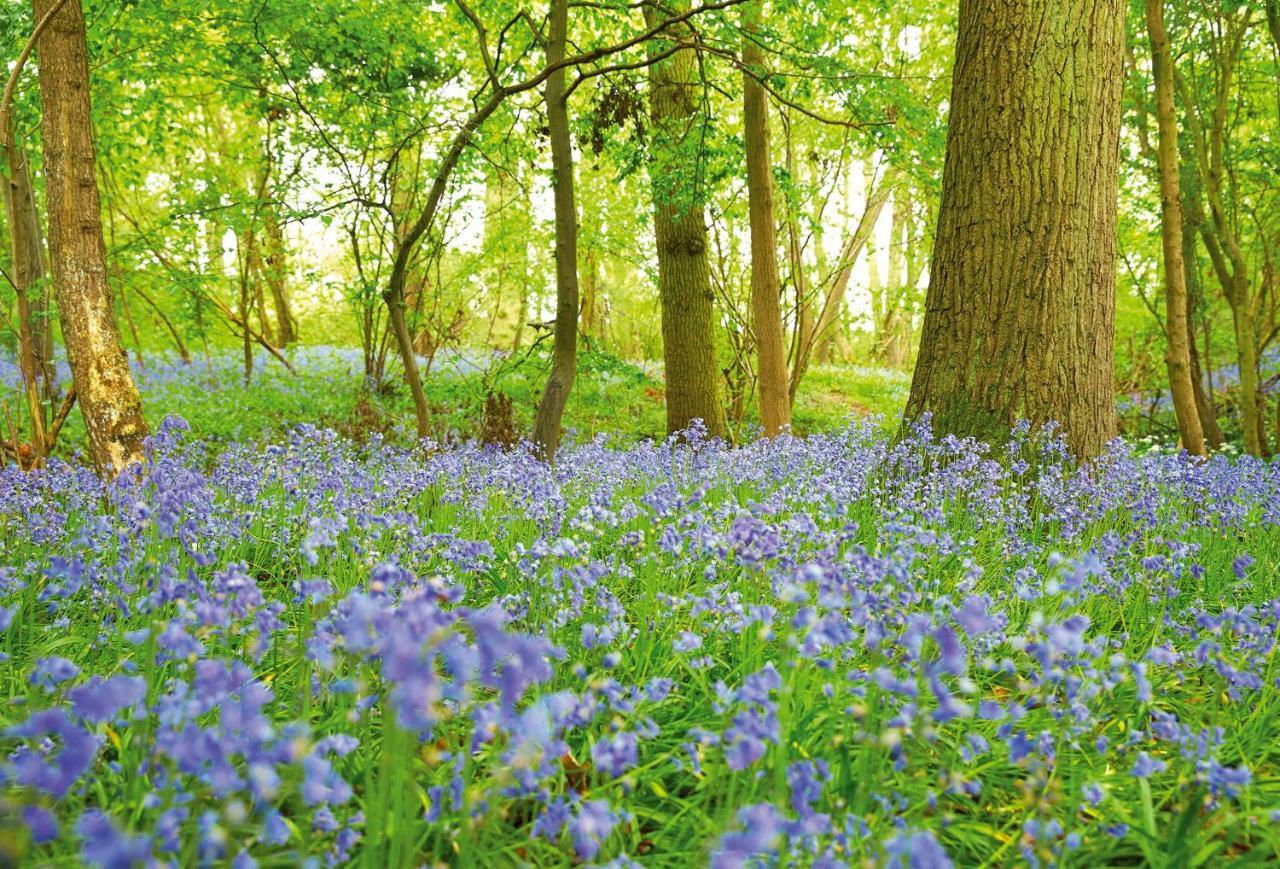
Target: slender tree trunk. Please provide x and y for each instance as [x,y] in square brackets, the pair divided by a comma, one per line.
[28,260]
[1247,359]
[889,326]
[1177,354]
[35,355]
[564,355]
[833,302]
[276,272]
[766,308]
[592,304]
[680,230]
[109,400]
[1204,399]
[1220,234]
[1202,380]
[1020,315]
[802,336]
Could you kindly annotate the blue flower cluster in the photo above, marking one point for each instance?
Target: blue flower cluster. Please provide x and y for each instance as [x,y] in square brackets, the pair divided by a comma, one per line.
[820,651]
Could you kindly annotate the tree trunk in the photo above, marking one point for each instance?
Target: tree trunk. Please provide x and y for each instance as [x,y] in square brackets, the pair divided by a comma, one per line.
[1177,354]
[1220,233]
[890,326]
[680,230]
[766,308]
[1202,380]
[1020,312]
[564,355]
[109,400]
[28,260]
[1247,359]
[35,355]
[1204,396]
[592,304]
[833,302]
[276,271]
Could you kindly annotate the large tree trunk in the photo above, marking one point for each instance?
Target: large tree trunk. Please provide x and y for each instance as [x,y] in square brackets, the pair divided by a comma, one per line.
[108,398]
[1019,320]
[766,307]
[680,230]
[1177,355]
[564,355]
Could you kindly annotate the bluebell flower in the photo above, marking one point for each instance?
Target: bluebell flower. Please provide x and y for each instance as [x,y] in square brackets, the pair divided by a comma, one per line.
[105,846]
[55,774]
[590,826]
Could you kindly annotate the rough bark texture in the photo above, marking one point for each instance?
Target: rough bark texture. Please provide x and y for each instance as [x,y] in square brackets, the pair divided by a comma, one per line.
[766,307]
[1177,354]
[680,230]
[1020,310]
[108,397]
[564,355]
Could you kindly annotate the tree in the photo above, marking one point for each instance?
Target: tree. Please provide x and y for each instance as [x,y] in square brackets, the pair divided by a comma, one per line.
[680,231]
[1222,230]
[109,400]
[1019,319]
[1177,350]
[766,307]
[564,355]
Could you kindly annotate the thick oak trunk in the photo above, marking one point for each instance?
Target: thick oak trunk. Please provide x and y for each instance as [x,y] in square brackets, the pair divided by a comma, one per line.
[1020,310]
[680,230]
[108,398]
[766,306]
[564,355]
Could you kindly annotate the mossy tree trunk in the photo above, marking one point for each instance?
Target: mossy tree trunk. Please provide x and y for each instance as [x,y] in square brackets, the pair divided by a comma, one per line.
[108,397]
[680,230]
[1019,319]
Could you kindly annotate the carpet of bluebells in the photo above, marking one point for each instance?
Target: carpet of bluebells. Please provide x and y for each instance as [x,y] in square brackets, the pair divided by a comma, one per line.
[826,651]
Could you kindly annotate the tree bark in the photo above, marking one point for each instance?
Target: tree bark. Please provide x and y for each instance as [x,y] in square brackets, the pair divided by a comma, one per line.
[1177,355]
[1203,392]
[108,397]
[35,343]
[28,259]
[564,355]
[833,302]
[1220,234]
[276,272]
[680,230]
[766,307]
[1020,312]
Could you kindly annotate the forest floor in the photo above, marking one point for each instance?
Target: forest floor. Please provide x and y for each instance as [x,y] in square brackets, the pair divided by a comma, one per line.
[611,396]
[824,650]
